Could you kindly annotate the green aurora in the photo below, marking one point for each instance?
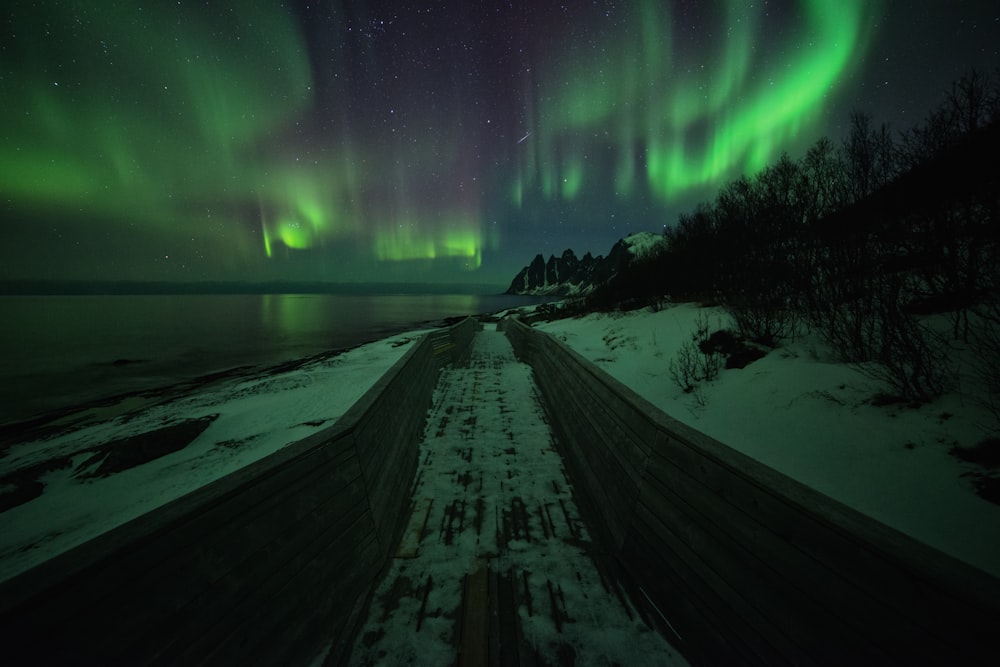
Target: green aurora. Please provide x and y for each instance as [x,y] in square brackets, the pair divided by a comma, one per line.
[216,136]
[698,122]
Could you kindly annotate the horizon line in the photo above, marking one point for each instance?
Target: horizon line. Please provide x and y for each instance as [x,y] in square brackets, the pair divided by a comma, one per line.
[56,287]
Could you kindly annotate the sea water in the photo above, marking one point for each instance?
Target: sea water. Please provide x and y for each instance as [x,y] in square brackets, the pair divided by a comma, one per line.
[61,351]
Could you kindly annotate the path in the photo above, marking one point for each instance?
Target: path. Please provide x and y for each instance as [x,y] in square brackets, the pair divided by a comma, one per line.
[495,567]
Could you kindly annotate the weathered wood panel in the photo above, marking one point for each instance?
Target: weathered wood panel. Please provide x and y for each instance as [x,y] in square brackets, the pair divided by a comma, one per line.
[271,564]
[745,565]
[611,458]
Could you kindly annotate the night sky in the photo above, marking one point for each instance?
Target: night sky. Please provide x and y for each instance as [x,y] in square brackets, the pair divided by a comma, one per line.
[448,141]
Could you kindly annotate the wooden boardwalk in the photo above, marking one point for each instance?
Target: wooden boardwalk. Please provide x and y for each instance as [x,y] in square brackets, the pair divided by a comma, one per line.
[294,559]
[496,565]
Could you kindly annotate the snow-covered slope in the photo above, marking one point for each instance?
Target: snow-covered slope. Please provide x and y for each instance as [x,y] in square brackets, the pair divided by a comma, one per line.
[247,418]
[801,413]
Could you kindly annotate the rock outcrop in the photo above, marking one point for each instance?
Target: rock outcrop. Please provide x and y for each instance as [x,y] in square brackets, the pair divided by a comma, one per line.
[568,275]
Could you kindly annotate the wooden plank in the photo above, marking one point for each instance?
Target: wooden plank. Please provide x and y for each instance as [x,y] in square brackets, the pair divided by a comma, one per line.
[598,509]
[409,545]
[569,377]
[382,434]
[474,645]
[381,440]
[617,398]
[617,448]
[605,391]
[504,649]
[603,499]
[282,557]
[800,627]
[702,622]
[399,465]
[326,595]
[526,651]
[346,626]
[396,408]
[382,437]
[602,449]
[389,503]
[256,620]
[624,445]
[766,638]
[783,563]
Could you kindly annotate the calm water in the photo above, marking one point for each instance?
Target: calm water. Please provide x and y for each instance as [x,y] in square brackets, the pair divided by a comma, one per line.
[57,351]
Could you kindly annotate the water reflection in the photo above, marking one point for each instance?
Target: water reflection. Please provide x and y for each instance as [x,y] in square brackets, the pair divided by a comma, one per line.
[60,351]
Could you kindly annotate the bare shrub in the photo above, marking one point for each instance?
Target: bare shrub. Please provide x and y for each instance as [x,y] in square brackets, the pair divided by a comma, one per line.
[910,358]
[683,367]
[763,321]
[691,365]
[985,343]
[868,328]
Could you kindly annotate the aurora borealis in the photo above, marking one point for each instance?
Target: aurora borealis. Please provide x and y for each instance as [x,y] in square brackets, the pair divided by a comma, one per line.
[344,140]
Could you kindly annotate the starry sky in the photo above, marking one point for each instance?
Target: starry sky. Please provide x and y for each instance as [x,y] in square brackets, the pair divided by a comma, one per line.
[423,141]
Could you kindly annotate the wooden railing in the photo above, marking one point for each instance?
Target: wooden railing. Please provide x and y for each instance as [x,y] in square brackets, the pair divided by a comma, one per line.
[272,564]
[737,563]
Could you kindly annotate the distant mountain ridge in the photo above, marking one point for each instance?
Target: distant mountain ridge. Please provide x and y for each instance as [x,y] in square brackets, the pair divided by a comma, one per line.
[568,275]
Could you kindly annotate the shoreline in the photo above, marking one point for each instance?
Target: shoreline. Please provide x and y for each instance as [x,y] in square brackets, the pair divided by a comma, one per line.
[105,353]
[52,422]
[72,474]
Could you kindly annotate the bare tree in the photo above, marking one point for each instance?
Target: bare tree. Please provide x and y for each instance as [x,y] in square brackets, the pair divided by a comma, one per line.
[972,103]
[870,157]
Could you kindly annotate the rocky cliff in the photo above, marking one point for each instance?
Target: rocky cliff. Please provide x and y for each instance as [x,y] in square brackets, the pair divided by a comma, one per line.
[568,275]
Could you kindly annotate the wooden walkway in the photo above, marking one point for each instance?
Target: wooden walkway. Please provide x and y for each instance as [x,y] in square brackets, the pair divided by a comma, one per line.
[496,566]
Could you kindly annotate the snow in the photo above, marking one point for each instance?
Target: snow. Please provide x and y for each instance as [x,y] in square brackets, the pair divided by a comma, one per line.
[641,244]
[487,446]
[800,412]
[256,414]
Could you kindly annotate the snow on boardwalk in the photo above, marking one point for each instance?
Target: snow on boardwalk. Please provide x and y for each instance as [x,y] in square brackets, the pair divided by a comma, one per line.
[496,557]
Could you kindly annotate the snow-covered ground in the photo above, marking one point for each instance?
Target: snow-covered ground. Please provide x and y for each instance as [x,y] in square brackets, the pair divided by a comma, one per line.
[811,418]
[248,416]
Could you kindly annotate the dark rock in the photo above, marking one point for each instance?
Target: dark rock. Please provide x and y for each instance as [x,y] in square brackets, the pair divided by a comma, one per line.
[530,278]
[737,352]
[744,356]
[138,449]
[26,484]
[723,342]
[568,274]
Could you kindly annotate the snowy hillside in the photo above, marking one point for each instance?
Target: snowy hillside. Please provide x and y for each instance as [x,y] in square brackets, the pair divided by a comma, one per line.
[801,413]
